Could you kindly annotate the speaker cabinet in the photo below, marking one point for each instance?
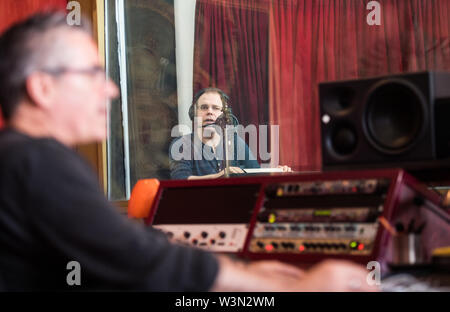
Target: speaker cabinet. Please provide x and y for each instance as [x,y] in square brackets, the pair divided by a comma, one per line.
[398,120]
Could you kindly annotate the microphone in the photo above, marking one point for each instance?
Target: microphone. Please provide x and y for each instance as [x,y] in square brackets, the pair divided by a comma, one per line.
[226,118]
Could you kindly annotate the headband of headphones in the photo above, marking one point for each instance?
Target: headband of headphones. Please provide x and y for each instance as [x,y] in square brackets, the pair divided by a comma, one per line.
[225,100]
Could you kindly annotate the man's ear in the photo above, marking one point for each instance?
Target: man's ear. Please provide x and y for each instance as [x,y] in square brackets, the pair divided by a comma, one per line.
[40,88]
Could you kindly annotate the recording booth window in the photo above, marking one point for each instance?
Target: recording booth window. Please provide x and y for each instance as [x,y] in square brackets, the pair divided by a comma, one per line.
[269,57]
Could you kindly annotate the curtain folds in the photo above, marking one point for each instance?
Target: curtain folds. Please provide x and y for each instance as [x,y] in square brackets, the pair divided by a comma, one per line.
[270,56]
[326,40]
[231,52]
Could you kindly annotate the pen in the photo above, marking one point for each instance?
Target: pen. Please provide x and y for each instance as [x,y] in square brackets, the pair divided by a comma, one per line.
[387,225]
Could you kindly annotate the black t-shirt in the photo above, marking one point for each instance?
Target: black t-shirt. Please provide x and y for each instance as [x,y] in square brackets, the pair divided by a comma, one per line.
[52,212]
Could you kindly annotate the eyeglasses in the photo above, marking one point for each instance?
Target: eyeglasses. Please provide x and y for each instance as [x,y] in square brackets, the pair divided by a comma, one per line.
[205,107]
[94,71]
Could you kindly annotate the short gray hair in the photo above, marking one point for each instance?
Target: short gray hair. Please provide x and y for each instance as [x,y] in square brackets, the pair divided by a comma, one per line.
[22,50]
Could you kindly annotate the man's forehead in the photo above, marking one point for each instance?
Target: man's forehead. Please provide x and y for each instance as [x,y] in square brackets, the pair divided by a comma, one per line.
[212,97]
[74,47]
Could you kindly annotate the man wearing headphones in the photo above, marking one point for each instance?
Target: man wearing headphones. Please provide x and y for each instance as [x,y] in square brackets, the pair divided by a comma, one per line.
[200,155]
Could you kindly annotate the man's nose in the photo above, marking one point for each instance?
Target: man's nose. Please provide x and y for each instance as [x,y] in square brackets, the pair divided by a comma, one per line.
[112,91]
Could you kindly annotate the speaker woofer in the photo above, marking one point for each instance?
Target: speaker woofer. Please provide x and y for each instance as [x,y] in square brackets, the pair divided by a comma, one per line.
[343,139]
[395,116]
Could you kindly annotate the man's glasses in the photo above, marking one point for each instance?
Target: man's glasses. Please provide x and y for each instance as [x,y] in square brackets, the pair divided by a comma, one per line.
[94,71]
[205,107]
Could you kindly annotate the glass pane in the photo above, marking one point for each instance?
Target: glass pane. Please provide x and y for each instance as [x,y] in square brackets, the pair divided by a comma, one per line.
[115,152]
[269,58]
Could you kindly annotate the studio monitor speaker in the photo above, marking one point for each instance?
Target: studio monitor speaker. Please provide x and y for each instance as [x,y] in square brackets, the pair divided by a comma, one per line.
[392,121]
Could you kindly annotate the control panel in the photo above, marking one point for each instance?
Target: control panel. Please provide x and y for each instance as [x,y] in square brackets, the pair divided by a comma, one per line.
[299,218]
[212,237]
[320,217]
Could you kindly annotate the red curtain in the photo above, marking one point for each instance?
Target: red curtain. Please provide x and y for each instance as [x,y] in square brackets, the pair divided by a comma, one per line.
[318,40]
[231,53]
[12,11]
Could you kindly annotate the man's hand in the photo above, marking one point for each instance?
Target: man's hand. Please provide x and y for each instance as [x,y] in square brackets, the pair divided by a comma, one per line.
[235,170]
[216,175]
[276,268]
[334,275]
[285,168]
[330,275]
[231,170]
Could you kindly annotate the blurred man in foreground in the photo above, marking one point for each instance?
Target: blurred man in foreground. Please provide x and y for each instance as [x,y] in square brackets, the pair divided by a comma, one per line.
[53,93]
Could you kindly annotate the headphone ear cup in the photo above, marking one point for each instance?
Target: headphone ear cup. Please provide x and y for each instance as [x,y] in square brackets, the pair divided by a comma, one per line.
[230,110]
[191,112]
[226,99]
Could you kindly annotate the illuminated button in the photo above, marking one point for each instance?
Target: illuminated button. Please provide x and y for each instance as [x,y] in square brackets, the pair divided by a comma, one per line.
[360,246]
[280,191]
[301,248]
[272,218]
[269,247]
[353,245]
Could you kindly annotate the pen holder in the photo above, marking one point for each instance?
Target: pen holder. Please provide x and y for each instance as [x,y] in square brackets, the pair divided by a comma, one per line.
[407,249]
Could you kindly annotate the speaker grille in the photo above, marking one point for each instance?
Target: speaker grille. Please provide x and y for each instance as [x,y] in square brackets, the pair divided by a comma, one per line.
[395,116]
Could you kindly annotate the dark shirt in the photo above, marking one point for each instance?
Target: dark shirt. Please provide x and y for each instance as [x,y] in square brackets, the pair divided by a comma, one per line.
[201,160]
[52,211]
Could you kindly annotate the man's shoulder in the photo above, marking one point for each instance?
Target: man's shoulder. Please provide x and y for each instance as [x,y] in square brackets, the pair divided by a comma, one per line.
[181,141]
[16,143]
[22,150]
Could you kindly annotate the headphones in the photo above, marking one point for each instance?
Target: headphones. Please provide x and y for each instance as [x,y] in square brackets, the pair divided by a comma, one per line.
[223,96]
